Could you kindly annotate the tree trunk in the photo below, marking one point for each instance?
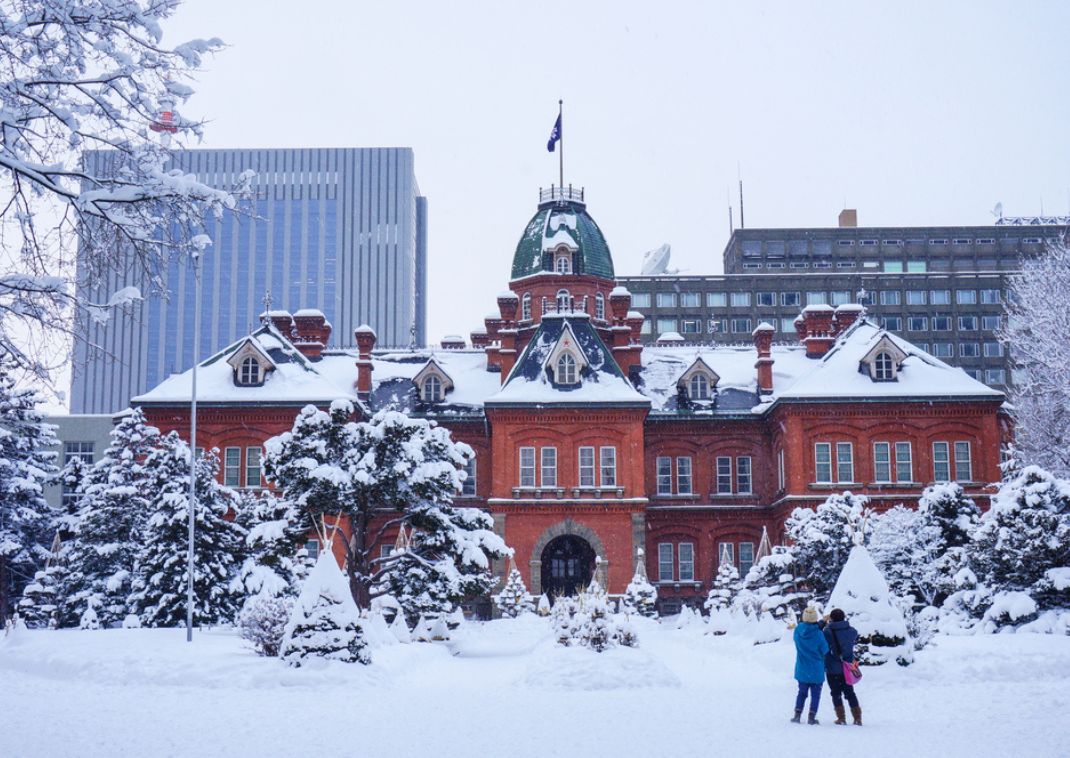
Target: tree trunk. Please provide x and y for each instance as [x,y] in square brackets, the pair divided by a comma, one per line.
[356,563]
[3,591]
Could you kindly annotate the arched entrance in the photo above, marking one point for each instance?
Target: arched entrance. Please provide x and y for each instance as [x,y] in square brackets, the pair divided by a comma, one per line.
[567,565]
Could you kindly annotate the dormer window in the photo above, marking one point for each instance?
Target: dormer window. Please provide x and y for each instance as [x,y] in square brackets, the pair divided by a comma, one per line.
[432,389]
[564,301]
[883,367]
[600,307]
[563,262]
[525,307]
[566,369]
[884,361]
[249,373]
[699,387]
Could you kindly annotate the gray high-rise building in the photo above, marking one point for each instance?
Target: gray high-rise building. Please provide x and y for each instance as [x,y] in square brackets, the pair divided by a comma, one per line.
[943,288]
[342,230]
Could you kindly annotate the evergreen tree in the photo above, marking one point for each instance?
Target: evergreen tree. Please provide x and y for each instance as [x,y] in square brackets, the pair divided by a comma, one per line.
[823,538]
[862,593]
[515,600]
[160,589]
[906,547]
[325,622]
[946,510]
[38,605]
[401,471]
[262,621]
[112,510]
[26,466]
[772,586]
[724,589]
[275,533]
[1023,535]
[640,596]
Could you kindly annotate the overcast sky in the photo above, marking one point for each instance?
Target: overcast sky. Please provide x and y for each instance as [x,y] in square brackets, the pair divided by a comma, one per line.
[914,113]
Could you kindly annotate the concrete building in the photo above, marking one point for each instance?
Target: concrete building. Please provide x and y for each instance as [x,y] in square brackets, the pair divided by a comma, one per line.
[84,436]
[941,287]
[342,231]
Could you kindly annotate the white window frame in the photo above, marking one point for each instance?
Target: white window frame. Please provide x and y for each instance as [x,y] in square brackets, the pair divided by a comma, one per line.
[744,475]
[468,486]
[883,367]
[663,474]
[431,392]
[698,387]
[587,466]
[250,371]
[723,465]
[563,263]
[882,462]
[665,561]
[600,307]
[845,461]
[566,369]
[525,307]
[781,471]
[527,467]
[254,466]
[548,467]
[823,450]
[941,458]
[684,479]
[904,462]
[748,561]
[607,466]
[564,301]
[232,467]
[963,474]
[685,556]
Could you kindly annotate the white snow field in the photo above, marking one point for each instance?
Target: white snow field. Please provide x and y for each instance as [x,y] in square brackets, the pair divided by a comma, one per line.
[505,689]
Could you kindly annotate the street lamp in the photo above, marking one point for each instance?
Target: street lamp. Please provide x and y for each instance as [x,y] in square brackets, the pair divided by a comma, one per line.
[200,243]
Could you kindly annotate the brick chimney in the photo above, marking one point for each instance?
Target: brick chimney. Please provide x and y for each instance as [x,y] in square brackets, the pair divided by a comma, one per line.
[281,320]
[311,331]
[845,316]
[480,338]
[453,342]
[763,342]
[508,303]
[366,338]
[620,300]
[848,218]
[818,326]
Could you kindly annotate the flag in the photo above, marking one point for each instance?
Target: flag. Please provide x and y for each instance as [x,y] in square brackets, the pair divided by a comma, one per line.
[555,134]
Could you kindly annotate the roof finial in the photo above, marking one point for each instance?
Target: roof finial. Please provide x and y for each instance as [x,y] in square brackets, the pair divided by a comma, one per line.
[267,301]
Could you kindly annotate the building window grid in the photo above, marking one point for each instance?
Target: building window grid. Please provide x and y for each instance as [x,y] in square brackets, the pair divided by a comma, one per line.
[527,467]
[683,475]
[586,466]
[743,475]
[685,552]
[724,475]
[468,487]
[665,562]
[963,462]
[664,475]
[941,462]
[823,463]
[904,466]
[882,465]
[608,461]
[548,469]
[253,477]
[746,558]
[844,462]
[232,466]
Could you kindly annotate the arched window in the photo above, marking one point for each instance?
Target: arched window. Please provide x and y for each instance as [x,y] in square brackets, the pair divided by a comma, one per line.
[250,372]
[883,367]
[525,307]
[564,301]
[699,388]
[599,307]
[566,369]
[563,263]
[432,390]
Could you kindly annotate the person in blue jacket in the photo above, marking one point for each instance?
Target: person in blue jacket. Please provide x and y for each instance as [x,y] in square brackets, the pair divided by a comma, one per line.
[841,638]
[810,650]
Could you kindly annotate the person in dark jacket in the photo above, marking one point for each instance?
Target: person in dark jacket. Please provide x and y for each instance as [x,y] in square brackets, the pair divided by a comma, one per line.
[810,650]
[841,638]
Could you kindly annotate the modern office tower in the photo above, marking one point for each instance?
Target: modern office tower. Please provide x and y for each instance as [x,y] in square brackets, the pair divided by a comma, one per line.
[340,230]
[942,288]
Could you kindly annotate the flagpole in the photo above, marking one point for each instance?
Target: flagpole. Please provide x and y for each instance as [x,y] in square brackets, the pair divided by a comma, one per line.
[561,146]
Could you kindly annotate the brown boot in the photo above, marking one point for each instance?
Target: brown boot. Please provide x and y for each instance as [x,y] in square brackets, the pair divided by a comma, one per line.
[841,715]
[797,717]
[856,712]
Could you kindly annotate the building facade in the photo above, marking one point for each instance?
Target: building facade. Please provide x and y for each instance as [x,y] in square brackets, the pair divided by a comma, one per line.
[339,230]
[590,445]
[944,288]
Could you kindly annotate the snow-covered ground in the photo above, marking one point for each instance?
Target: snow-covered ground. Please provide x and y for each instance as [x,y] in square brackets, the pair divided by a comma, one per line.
[505,689]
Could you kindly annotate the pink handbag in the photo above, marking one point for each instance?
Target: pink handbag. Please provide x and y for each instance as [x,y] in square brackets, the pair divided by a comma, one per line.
[851,672]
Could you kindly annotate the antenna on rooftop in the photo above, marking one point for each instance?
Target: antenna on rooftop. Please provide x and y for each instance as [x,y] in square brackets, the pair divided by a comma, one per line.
[739,175]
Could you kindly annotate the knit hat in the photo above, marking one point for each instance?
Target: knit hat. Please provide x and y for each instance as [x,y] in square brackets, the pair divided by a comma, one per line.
[810,615]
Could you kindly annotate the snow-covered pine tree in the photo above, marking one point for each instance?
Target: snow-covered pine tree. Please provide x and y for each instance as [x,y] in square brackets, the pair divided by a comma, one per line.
[262,621]
[514,599]
[379,475]
[1035,332]
[862,593]
[113,508]
[26,466]
[823,538]
[947,511]
[325,622]
[38,604]
[906,547]
[276,530]
[640,596]
[772,586]
[725,586]
[1024,535]
[160,590]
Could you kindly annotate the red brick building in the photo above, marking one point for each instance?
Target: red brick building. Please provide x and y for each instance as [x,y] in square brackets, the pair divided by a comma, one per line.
[590,445]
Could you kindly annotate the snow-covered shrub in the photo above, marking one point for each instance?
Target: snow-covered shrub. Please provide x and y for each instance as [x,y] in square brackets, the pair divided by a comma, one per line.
[262,622]
[822,538]
[640,596]
[514,600]
[324,622]
[89,619]
[131,621]
[769,629]
[771,586]
[38,604]
[276,530]
[585,620]
[724,589]
[862,593]
[543,608]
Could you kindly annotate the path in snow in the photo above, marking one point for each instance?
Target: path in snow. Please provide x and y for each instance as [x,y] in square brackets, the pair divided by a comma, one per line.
[511,692]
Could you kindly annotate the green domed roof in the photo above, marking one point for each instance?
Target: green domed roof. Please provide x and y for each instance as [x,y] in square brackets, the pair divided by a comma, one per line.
[564,221]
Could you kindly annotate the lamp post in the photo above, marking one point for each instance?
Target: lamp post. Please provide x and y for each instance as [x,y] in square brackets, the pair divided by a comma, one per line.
[193,438]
